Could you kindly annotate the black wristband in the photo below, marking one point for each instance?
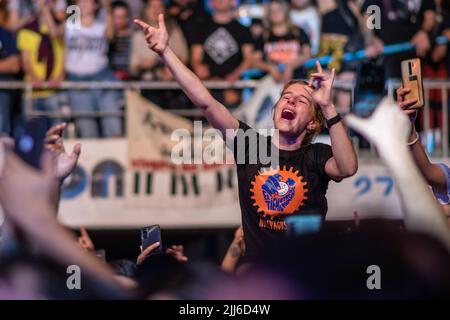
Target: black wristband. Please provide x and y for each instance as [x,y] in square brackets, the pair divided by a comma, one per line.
[331,122]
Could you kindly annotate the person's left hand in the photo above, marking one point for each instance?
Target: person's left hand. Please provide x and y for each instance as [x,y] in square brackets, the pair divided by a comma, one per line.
[54,142]
[324,83]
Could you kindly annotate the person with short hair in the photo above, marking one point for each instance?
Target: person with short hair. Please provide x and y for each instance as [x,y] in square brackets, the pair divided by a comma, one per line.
[295,184]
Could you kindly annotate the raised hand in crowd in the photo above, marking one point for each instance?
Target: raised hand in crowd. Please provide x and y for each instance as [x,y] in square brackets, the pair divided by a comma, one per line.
[157,38]
[405,104]
[322,95]
[85,241]
[176,251]
[215,112]
[54,142]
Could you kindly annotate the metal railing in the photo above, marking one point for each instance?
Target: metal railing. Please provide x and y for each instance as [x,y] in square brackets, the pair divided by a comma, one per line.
[118,85]
[135,85]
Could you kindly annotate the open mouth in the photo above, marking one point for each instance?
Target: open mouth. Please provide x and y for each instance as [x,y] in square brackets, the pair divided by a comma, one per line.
[287,114]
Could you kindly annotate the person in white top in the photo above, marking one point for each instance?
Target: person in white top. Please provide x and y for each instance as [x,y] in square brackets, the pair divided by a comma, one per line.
[87,60]
[304,15]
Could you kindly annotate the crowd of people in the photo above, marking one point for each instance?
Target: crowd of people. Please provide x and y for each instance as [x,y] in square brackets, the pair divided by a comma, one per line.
[44,44]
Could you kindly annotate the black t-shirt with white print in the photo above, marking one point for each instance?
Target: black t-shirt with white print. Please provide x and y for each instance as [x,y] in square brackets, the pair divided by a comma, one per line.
[268,196]
[282,49]
[222,45]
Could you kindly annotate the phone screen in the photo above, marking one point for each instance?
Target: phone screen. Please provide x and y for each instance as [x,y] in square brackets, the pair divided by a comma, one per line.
[150,235]
[29,141]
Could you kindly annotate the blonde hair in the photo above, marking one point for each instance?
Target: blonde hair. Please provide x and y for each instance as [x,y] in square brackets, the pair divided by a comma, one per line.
[317,116]
[286,10]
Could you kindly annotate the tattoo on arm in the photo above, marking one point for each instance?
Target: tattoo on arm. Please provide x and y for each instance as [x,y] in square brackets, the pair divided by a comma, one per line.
[234,251]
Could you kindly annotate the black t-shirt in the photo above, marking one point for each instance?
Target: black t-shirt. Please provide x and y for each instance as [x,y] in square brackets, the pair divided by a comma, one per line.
[340,21]
[222,45]
[282,49]
[399,23]
[268,196]
[7,48]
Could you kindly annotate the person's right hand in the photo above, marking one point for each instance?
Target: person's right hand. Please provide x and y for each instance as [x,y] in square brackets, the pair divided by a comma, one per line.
[157,38]
[146,253]
[406,103]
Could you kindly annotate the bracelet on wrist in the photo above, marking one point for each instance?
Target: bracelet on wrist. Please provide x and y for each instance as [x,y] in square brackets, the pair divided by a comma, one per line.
[415,140]
[331,122]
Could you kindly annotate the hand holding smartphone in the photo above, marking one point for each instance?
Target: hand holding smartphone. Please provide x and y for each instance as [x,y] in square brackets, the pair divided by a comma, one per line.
[29,141]
[150,235]
[412,80]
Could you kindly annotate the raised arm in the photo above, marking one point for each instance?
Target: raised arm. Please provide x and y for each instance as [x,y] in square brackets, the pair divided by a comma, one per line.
[216,113]
[344,162]
[35,216]
[432,173]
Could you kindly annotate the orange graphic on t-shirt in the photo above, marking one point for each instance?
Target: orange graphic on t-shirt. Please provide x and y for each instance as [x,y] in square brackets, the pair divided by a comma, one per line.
[278,192]
[283,52]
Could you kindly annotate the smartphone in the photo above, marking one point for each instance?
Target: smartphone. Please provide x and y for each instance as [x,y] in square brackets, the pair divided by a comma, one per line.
[29,138]
[412,79]
[150,235]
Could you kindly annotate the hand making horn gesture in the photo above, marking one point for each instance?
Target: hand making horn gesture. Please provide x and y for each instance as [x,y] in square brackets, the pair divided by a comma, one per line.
[323,84]
[157,38]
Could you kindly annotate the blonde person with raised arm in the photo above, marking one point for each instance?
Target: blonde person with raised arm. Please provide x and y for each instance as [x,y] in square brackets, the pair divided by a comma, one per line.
[296,185]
